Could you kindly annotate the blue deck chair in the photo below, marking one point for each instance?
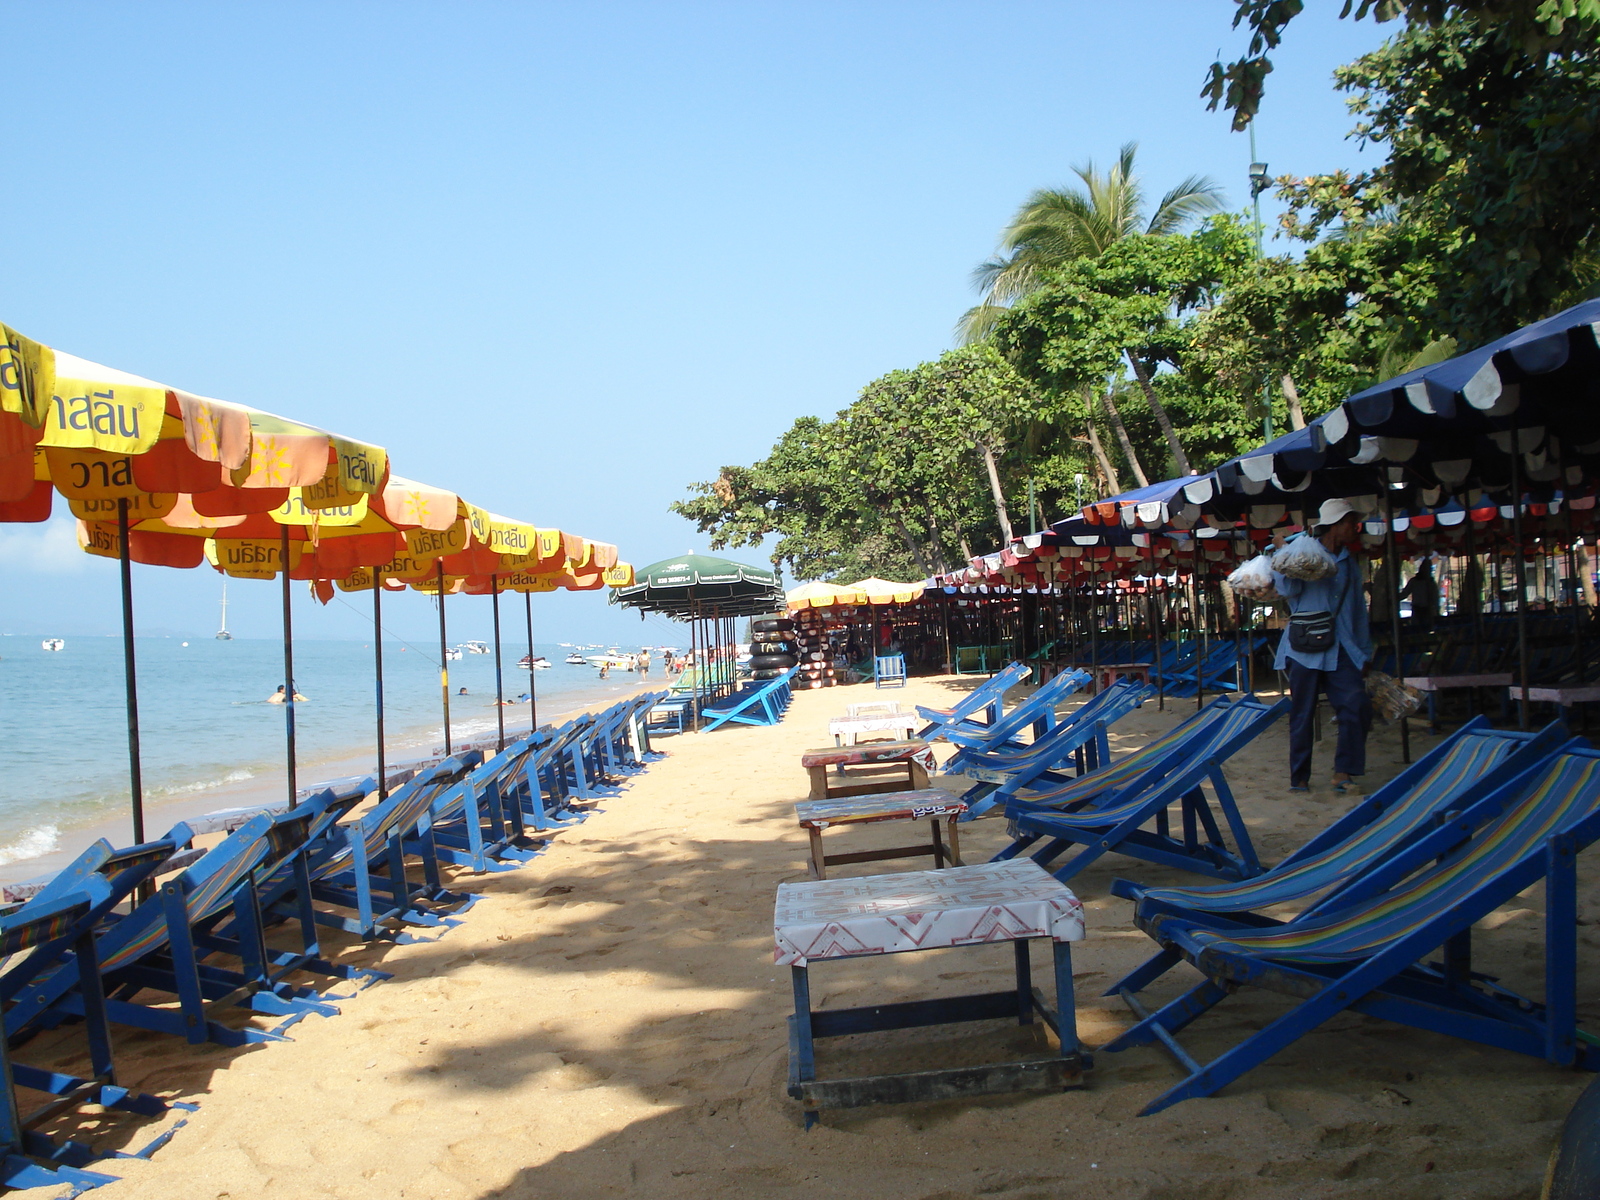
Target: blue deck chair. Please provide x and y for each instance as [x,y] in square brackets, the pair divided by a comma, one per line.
[480,823]
[1368,952]
[1453,776]
[1079,739]
[29,1158]
[1115,821]
[889,670]
[154,948]
[359,865]
[1150,761]
[1036,713]
[985,700]
[762,705]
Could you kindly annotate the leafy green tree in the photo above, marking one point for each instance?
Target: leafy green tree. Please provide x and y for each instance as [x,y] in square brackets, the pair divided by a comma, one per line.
[1056,226]
[1134,305]
[1518,30]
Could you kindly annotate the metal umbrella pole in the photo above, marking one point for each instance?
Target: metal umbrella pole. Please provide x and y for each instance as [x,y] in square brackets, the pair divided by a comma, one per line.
[499,679]
[1521,569]
[377,671]
[444,660]
[288,661]
[1392,565]
[1198,626]
[1153,605]
[130,675]
[533,693]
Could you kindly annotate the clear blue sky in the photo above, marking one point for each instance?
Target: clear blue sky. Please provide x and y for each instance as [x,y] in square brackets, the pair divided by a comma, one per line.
[562,258]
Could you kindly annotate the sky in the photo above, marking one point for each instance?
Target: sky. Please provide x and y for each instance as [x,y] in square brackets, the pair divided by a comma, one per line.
[564,259]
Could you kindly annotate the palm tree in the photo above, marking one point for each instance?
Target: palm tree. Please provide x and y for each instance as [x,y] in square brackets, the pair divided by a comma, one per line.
[1057,226]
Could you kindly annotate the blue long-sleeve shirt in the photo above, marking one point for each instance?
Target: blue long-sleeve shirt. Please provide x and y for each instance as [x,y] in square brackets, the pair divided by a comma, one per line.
[1322,595]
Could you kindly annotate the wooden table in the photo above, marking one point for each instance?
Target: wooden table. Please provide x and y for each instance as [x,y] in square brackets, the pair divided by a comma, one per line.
[869,767]
[1565,696]
[931,804]
[1432,685]
[1011,901]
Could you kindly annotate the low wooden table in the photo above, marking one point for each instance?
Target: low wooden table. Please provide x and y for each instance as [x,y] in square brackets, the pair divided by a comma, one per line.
[1565,696]
[863,768]
[1011,901]
[930,804]
[1432,685]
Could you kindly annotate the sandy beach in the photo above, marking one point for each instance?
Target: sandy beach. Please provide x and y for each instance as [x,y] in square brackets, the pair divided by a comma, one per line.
[607,1021]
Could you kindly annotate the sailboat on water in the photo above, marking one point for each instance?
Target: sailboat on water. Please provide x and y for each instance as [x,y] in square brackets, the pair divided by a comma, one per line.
[222,634]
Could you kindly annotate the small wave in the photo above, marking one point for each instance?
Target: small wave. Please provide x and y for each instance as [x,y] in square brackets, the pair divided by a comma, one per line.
[205,785]
[41,840]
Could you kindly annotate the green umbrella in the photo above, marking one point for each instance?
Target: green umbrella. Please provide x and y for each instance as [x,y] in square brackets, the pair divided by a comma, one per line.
[700,585]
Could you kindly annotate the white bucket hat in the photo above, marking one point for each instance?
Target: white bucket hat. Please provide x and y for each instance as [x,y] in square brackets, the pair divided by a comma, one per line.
[1334,511]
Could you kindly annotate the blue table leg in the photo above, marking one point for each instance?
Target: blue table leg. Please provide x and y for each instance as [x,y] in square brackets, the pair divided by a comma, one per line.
[1066,1006]
[802,1051]
[1024,982]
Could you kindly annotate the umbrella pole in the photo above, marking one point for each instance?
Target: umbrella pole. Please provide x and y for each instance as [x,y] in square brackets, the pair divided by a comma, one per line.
[130,675]
[499,678]
[1396,639]
[288,662]
[444,662]
[533,693]
[377,672]
[1094,633]
[1198,627]
[1520,567]
[1154,603]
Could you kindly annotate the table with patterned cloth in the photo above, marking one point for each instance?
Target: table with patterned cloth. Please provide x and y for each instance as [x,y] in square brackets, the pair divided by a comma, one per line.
[862,768]
[903,724]
[1011,901]
[930,804]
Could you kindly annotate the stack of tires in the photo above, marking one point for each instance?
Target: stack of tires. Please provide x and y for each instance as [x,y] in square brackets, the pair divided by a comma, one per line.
[811,644]
[772,648]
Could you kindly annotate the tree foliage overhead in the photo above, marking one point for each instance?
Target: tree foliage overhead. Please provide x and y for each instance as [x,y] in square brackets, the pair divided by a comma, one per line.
[1518,29]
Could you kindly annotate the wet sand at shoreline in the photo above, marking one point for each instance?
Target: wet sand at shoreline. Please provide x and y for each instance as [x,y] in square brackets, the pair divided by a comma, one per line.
[607,1021]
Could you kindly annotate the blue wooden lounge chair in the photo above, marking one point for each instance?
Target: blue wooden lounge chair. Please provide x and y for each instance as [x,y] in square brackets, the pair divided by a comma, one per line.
[764,704]
[1367,951]
[46,924]
[1045,785]
[1036,713]
[359,865]
[1115,821]
[1079,740]
[984,700]
[1451,777]
[889,670]
[154,948]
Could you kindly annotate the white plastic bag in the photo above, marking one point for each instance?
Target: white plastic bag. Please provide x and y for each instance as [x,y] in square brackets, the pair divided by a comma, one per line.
[1306,558]
[1253,580]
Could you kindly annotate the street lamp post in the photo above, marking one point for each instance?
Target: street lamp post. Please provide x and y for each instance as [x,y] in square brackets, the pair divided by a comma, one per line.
[1259,182]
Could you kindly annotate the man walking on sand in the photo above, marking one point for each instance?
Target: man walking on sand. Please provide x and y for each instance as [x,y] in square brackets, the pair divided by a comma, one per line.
[1338,667]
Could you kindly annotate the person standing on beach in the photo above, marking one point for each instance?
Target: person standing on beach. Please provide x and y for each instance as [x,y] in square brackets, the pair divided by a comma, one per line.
[644,664]
[1337,669]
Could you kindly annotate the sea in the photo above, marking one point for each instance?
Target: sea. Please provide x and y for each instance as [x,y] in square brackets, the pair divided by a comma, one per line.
[206,727]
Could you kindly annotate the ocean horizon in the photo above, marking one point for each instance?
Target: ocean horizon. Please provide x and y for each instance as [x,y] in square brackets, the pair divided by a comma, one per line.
[206,724]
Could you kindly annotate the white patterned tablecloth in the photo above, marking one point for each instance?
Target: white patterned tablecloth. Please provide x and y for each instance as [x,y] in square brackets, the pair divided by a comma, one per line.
[891,806]
[922,910]
[907,723]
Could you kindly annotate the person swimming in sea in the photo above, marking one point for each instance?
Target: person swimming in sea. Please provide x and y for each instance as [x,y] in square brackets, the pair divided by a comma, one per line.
[278,696]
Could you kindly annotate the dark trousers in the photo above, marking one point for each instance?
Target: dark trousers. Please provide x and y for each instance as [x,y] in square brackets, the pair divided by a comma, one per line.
[1347,694]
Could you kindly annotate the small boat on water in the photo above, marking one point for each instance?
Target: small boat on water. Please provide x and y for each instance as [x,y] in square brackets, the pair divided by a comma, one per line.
[222,631]
[576,660]
[612,658]
[452,653]
[539,663]
[477,647]
[53,644]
